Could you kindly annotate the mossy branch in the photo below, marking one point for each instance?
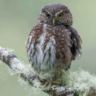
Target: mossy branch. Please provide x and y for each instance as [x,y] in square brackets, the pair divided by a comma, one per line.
[14,63]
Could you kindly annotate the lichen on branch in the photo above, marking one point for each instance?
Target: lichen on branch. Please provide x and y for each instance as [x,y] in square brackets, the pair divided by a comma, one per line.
[74,83]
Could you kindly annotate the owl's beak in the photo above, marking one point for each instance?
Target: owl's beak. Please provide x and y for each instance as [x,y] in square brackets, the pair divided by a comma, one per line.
[53,21]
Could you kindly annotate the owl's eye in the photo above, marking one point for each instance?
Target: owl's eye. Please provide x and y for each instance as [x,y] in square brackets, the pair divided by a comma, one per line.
[60,15]
[47,15]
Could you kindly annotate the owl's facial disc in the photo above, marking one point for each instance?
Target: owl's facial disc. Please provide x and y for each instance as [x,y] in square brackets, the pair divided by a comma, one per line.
[55,14]
[54,18]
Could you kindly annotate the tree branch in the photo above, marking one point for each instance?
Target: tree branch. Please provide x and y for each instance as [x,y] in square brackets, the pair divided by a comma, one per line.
[12,61]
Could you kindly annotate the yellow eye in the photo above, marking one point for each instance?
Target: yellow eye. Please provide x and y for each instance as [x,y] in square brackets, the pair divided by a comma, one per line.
[60,15]
[47,16]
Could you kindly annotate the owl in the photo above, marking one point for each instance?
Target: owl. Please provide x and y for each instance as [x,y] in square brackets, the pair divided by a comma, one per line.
[53,43]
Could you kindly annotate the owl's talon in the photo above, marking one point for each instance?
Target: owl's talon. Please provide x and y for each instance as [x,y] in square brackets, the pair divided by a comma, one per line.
[50,83]
[46,84]
[55,83]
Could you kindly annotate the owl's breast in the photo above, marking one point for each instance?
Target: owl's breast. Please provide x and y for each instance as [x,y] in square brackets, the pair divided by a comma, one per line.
[42,53]
[50,49]
[46,53]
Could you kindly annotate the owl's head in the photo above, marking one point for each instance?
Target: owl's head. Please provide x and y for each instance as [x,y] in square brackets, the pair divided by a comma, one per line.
[55,14]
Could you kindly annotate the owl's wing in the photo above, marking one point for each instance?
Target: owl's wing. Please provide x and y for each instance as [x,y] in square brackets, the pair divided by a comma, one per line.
[76,43]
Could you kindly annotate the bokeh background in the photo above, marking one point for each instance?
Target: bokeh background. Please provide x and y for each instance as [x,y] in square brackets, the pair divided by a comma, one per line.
[17,17]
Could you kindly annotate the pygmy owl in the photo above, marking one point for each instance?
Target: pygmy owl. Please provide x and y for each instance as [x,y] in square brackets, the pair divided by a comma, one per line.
[52,43]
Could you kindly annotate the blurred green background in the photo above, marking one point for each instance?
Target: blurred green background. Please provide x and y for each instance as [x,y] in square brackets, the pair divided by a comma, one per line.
[17,17]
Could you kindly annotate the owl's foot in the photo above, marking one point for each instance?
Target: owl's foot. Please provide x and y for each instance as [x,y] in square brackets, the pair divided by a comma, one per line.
[50,83]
